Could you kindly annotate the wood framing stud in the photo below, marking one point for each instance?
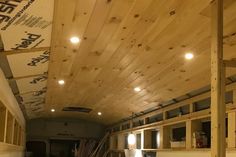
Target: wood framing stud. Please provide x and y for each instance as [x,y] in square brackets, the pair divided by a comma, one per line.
[13,129]
[217,82]
[5,130]
[121,141]
[232,130]
[164,115]
[161,137]
[146,120]
[147,144]
[191,107]
[232,126]
[164,137]
[189,133]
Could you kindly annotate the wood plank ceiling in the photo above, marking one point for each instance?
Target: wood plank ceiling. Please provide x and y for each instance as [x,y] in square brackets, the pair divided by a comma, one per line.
[127,44]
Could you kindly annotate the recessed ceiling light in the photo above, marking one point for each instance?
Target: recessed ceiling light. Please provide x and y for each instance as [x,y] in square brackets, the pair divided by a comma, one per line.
[189,56]
[137,89]
[74,40]
[99,113]
[52,110]
[61,82]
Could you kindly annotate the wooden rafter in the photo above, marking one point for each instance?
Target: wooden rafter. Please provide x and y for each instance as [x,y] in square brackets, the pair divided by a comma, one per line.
[28,76]
[25,51]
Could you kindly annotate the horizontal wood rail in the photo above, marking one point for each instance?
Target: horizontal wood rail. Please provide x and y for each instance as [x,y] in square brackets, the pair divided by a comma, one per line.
[191,116]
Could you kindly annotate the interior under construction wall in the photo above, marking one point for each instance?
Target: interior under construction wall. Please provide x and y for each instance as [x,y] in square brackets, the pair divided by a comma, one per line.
[12,123]
[181,129]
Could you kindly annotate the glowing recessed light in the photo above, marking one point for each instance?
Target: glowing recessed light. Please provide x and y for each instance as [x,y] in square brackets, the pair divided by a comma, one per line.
[189,56]
[99,113]
[52,110]
[137,89]
[74,40]
[61,82]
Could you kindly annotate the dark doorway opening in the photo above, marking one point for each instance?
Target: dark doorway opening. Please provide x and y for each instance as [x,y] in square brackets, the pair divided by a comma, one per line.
[63,148]
[37,148]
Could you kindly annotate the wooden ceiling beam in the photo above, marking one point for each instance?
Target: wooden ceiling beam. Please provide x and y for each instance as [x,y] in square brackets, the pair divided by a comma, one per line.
[24,51]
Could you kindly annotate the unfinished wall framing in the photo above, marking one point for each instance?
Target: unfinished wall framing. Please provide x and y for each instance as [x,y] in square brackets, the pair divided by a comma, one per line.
[11,131]
[192,124]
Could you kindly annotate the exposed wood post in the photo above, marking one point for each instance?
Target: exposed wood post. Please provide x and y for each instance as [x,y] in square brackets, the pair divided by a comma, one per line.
[164,137]
[13,130]
[191,127]
[18,134]
[142,139]
[191,107]
[232,130]
[147,139]
[189,132]
[232,125]
[217,82]
[131,124]
[161,131]
[5,129]
[164,115]
[146,120]
[121,142]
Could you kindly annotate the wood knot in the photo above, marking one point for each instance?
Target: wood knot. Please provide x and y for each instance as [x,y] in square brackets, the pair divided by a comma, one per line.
[172,12]
[136,15]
